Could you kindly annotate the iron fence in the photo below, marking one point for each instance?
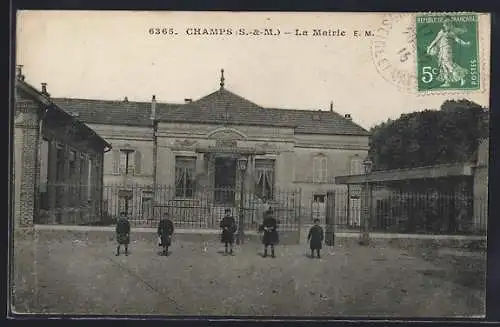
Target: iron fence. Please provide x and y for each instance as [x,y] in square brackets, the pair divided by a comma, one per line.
[388,210]
[396,211]
[203,208]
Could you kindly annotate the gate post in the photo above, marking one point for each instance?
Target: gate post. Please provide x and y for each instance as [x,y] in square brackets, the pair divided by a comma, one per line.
[297,201]
[330,219]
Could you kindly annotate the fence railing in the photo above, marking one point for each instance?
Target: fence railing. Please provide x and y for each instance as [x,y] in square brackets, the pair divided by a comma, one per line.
[410,212]
[203,208]
[388,210]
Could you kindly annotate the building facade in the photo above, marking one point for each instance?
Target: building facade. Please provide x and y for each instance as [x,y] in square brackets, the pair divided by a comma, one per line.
[195,148]
[58,162]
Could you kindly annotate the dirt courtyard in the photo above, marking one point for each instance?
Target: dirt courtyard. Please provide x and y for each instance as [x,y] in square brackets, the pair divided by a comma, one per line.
[83,276]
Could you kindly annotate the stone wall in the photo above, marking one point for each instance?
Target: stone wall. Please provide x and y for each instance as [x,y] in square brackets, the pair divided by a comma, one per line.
[26,132]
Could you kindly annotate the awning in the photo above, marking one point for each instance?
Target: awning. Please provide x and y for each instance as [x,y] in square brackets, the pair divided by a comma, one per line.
[429,172]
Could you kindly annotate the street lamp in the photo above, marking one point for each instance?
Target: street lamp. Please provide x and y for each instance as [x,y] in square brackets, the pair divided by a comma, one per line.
[242,164]
[242,167]
[365,236]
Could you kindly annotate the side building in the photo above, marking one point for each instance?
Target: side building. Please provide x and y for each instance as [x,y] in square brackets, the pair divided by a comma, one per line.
[188,155]
[58,162]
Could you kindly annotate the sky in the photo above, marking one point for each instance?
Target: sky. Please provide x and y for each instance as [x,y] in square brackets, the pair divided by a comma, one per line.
[112,55]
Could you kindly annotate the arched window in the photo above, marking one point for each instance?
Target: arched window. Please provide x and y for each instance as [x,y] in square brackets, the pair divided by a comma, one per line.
[320,173]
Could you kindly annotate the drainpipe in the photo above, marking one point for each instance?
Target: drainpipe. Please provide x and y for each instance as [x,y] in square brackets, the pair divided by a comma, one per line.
[101,181]
[155,146]
[38,165]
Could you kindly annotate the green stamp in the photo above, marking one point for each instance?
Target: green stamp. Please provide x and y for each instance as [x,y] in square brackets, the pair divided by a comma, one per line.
[447,52]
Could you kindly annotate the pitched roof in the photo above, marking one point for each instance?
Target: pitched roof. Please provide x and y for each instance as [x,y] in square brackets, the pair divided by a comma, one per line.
[218,107]
[55,112]
[109,112]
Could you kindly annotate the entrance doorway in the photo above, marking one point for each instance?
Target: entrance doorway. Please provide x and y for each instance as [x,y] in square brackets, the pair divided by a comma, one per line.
[225,180]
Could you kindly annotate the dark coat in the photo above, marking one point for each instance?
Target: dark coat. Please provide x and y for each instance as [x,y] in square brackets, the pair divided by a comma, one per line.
[228,225]
[165,231]
[316,237]
[271,234]
[123,231]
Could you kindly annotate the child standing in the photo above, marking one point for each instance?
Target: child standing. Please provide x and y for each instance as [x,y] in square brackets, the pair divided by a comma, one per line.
[122,233]
[228,225]
[315,238]
[270,228]
[165,231]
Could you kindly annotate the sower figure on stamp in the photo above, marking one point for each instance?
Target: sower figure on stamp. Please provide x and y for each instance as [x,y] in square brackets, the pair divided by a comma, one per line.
[315,238]
[270,228]
[165,231]
[122,233]
[442,48]
[228,225]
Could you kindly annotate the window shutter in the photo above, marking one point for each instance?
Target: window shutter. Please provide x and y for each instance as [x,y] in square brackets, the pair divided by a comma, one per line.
[116,161]
[324,167]
[138,162]
[314,170]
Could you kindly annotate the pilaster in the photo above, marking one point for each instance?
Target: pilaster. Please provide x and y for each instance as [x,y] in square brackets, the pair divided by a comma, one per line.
[52,181]
[27,128]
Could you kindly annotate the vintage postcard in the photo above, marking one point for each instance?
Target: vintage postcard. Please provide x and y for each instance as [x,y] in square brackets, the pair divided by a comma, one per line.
[250,164]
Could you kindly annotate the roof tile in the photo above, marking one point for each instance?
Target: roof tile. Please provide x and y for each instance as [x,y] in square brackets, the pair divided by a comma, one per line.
[219,106]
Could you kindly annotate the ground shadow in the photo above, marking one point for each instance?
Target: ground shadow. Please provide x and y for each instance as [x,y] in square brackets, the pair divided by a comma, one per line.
[122,254]
[261,254]
[160,253]
[223,253]
[466,278]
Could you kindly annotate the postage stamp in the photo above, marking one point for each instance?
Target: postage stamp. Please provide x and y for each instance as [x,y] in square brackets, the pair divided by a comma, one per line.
[447,52]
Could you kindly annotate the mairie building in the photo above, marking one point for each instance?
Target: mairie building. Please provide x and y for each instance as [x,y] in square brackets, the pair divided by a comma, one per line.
[194,151]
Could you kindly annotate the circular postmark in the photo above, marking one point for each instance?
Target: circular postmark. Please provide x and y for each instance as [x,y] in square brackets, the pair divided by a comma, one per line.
[394,50]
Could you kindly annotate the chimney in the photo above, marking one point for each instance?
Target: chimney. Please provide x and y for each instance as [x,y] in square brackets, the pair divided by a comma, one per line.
[153,108]
[188,100]
[19,73]
[44,89]
[125,99]
[348,116]
[331,106]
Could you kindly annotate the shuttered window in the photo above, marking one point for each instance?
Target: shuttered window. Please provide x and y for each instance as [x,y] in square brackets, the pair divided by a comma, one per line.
[264,178]
[127,162]
[83,179]
[137,162]
[320,172]
[116,161]
[90,185]
[185,174]
[356,167]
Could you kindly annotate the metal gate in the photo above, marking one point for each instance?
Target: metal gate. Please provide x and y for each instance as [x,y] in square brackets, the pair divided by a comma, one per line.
[203,208]
[388,210]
